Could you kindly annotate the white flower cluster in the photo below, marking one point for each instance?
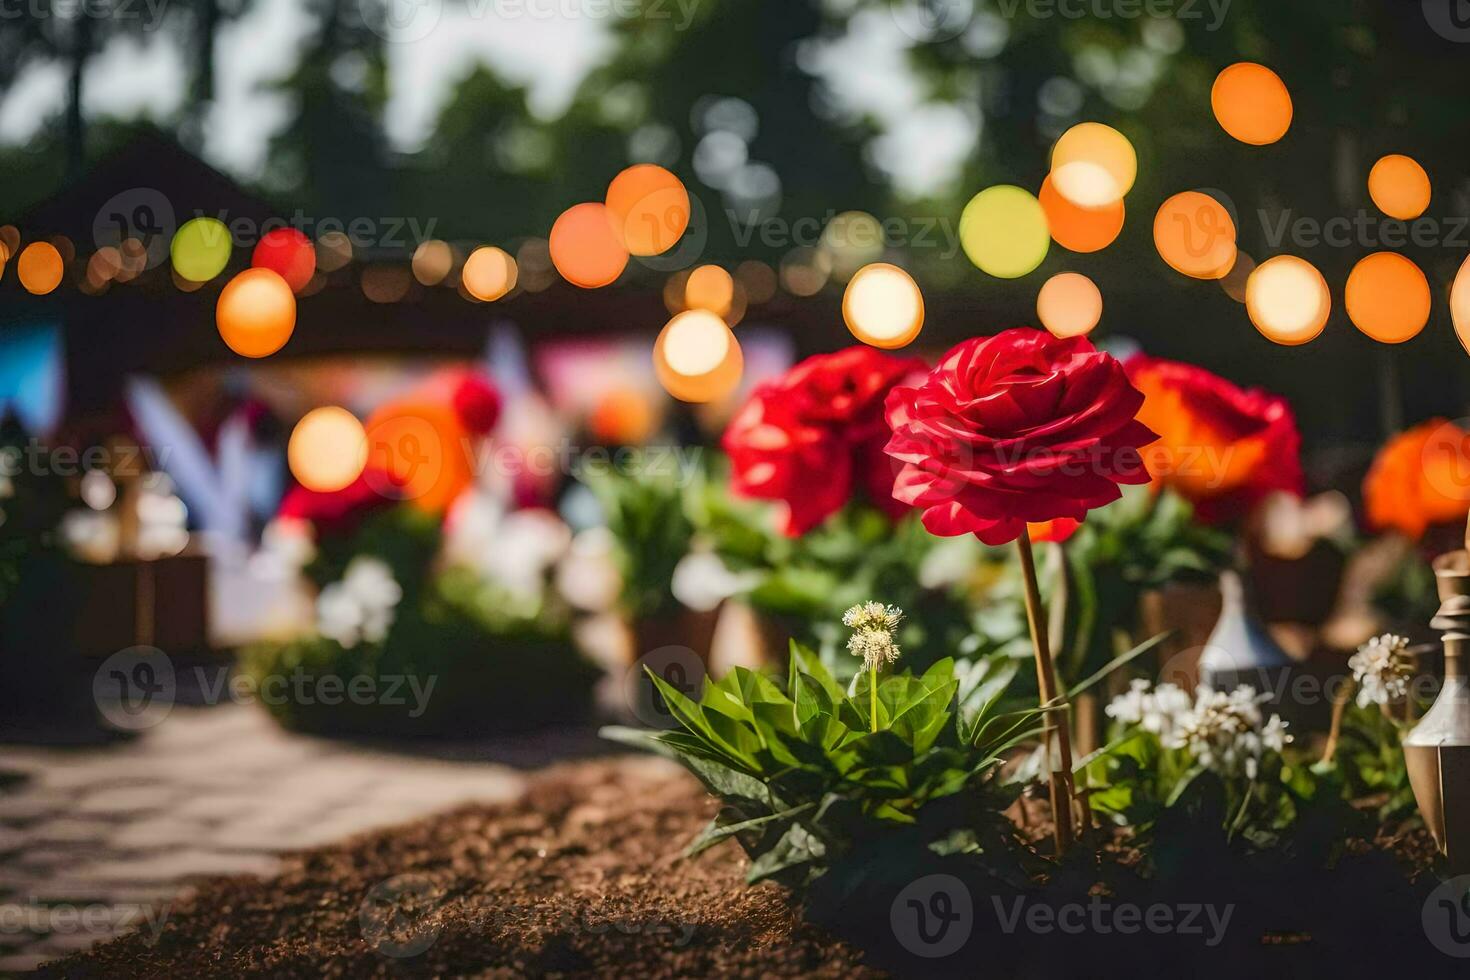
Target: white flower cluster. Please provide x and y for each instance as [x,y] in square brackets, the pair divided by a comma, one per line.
[1382,669]
[873,625]
[1224,732]
[360,607]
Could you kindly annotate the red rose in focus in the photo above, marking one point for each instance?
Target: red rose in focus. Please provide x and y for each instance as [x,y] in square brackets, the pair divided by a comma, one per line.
[1420,478]
[1014,429]
[1222,447]
[810,436]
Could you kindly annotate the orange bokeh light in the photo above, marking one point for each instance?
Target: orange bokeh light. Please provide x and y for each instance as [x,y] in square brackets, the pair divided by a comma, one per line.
[1069,305]
[1460,304]
[1251,103]
[1287,300]
[489,273]
[1195,235]
[419,451]
[39,268]
[710,287]
[1387,297]
[1079,229]
[1093,165]
[1399,187]
[256,313]
[883,306]
[697,358]
[650,208]
[327,450]
[586,247]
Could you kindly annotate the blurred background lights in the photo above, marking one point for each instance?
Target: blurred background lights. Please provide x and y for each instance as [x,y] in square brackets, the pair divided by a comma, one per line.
[489,273]
[1287,300]
[1079,229]
[1399,187]
[328,449]
[586,247]
[650,208]
[709,287]
[200,249]
[1003,230]
[1093,165]
[287,252]
[1251,103]
[805,270]
[39,268]
[1195,235]
[1387,297]
[1069,305]
[1460,304]
[256,313]
[697,358]
[333,251]
[850,241]
[1233,282]
[432,261]
[883,306]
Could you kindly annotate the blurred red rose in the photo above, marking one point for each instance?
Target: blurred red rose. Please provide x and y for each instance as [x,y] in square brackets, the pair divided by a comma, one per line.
[338,511]
[1222,447]
[1014,429]
[811,436]
[1419,478]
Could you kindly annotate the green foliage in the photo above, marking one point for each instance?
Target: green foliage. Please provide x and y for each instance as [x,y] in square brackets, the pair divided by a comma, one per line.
[1140,542]
[644,508]
[804,782]
[404,537]
[1370,762]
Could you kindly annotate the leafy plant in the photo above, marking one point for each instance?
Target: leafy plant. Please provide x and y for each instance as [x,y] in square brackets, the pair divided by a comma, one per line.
[644,507]
[404,537]
[805,780]
[1370,762]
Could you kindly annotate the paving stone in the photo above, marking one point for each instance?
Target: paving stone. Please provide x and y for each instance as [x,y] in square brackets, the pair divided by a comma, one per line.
[46,859]
[27,807]
[68,830]
[11,840]
[159,833]
[126,800]
[180,864]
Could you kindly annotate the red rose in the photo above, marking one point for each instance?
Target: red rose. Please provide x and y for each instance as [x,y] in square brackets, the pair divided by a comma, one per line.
[338,511]
[808,437]
[1222,447]
[1013,429]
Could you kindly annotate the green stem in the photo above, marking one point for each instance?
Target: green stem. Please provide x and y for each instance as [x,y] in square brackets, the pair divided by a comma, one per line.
[873,694]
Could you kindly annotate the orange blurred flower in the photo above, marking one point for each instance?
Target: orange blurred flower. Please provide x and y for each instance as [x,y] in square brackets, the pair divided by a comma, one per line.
[1420,477]
[1224,448]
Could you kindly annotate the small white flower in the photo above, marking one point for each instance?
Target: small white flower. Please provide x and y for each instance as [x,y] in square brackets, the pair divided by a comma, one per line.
[873,625]
[1223,731]
[1382,669]
[362,605]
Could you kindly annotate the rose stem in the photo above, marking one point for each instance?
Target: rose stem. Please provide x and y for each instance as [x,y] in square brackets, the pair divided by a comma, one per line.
[873,693]
[1046,680]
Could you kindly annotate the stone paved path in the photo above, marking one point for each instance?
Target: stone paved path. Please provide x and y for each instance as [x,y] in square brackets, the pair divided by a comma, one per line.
[97,841]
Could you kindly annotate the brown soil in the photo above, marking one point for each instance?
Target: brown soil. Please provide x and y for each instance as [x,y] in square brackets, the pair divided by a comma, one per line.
[582,877]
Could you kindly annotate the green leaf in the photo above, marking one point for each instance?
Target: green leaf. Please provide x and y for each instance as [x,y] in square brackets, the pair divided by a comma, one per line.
[796,847]
[1116,663]
[717,831]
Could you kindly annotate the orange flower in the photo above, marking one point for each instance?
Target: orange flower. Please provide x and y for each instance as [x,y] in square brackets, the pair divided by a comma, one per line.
[1224,448]
[1419,477]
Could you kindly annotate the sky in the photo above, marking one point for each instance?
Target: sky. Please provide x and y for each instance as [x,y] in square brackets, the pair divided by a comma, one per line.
[546,47]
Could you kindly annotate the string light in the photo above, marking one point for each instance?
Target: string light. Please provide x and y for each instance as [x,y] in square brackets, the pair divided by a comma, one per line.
[327,450]
[1251,103]
[256,313]
[200,249]
[1093,165]
[586,247]
[1287,300]
[1003,230]
[1387,297]
[1195,235]
[1069,305]
[1399,187]
[39,268]
[697,358]
[1080,229]
[288,253]
[883,306]
[649,207]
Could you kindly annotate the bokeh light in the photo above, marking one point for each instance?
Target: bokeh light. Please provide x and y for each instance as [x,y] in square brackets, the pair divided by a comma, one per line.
[1080,229]
[1399,187]
[1069,305]
[386,282]
[533,265]
[256,313]
[328,449]
[333,251]
[586,248]
[489,273]
[805,270]
[697,358]
[39,268]
[201,249]
[1387,297]
[650,208]
[883,306]
[1093,165]
[1003,230]
[1195,235]
[1233,282]
[420,452]
[1251,103]
[1460,304]
[288,253]
[850,241]
[432,261]
[757,279]
[709,287]
[1287,299]
[103,266]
